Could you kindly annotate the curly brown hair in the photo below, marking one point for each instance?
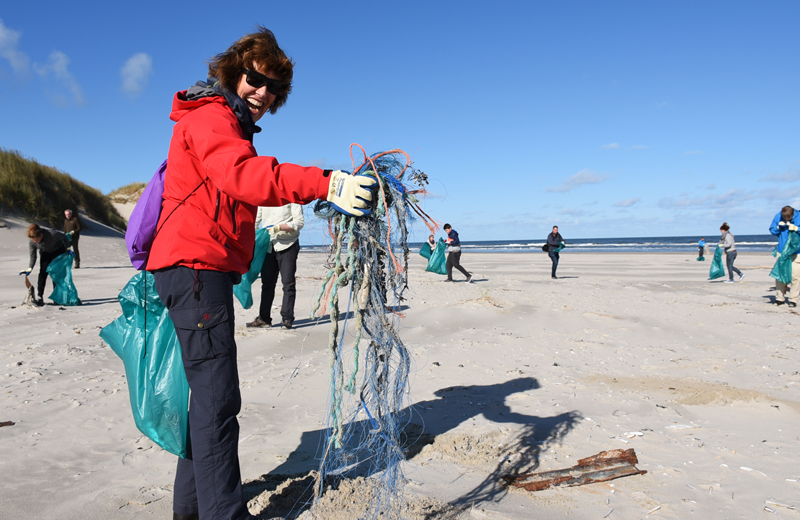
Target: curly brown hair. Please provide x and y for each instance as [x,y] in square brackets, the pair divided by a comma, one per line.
[257,50]
[34,231]
[724,227]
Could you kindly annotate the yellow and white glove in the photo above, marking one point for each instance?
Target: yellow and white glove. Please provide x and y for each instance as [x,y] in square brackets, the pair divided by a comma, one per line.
[792,227]
[27,271]
[351,194]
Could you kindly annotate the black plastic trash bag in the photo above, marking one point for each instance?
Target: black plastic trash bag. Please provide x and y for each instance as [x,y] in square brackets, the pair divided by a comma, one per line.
[60,271]
[157,385]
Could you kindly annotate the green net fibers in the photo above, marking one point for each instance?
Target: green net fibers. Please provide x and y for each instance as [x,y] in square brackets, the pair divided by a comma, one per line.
[369,363]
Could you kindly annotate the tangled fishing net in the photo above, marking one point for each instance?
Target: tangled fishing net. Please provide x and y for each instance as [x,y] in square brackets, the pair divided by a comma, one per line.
[368,262]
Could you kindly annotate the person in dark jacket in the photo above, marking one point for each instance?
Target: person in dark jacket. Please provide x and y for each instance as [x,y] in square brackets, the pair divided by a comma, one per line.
[554,242]
[454,254]
[49,244]
[73,224]
[213,184]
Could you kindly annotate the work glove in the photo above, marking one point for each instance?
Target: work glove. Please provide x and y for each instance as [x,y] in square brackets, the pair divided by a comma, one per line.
[781,223]
[351,194]
[71,233]
[27,271]
[792,227]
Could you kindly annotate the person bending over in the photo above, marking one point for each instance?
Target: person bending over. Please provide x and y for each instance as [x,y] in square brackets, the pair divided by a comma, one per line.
[49,244]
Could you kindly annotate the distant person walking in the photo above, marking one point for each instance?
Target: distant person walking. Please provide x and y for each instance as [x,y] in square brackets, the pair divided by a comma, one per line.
[284,223]
[73,224]
[785,222]
[49,244]
[702,249]
[728,244]
[454,254]
[554,242]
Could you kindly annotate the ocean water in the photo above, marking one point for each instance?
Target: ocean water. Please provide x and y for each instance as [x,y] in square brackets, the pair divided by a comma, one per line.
[688,245]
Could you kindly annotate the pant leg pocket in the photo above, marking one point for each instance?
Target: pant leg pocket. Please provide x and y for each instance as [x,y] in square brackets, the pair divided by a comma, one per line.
[204,332]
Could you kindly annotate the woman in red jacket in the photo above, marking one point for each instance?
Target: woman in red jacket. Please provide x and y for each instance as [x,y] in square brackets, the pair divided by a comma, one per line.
[213,186]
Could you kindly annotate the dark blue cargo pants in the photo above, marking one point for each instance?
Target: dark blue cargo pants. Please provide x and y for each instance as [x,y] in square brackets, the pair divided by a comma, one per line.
[200,303]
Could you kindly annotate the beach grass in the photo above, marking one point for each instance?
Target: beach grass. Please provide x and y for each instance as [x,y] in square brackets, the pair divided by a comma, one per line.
[42,193]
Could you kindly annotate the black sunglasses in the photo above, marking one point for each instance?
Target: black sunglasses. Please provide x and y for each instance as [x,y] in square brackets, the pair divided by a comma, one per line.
[258,80]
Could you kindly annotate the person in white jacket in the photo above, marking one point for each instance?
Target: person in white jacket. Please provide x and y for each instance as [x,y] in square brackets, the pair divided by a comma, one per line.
[284,223]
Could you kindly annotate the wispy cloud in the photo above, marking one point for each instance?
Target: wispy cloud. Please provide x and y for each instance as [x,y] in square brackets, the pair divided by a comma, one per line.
[572,211]
[136,73]
[694,152]
[57,66]
[9,40]
[611,146]
[790,175]
[728,199]
[627,203]
[579,179]
[640,147]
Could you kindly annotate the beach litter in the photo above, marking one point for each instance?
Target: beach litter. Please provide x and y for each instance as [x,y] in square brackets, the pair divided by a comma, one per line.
[6,423]
[606,465]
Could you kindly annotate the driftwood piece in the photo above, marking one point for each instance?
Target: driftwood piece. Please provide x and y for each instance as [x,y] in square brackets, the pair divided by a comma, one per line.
[6,423]
[606,465]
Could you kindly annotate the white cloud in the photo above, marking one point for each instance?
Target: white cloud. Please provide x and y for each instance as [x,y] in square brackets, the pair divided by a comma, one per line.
[57,66]
[8,50]
[694,152]
[136,73]
[580,178]
[627,203]
[571,211]
[639,147]
[611,146]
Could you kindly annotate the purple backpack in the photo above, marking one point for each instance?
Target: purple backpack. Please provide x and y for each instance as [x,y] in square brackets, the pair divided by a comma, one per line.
[144,220]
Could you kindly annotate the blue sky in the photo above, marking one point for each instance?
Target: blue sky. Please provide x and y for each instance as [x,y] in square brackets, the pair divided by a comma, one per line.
[609,119]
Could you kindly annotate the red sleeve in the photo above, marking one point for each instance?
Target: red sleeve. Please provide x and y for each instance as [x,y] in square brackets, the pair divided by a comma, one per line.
[212,134]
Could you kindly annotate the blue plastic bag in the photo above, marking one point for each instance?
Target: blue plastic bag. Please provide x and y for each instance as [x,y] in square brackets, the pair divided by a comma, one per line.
[782,270]
[157,385]
[717,269]
[437,262]
[244,289]
[60,271]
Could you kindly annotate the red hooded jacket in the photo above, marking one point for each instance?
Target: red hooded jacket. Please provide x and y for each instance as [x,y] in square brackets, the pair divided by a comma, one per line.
[209,153]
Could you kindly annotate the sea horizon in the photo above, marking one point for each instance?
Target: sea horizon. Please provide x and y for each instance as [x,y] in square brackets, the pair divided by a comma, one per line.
[677,244]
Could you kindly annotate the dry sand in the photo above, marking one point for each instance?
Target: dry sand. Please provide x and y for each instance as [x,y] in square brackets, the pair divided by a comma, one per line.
[514,372]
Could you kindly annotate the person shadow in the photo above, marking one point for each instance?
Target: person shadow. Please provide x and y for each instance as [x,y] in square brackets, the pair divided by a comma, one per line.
[422,423]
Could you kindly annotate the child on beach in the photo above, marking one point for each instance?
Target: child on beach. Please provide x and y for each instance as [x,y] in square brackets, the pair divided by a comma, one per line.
[206,243]
[728,244]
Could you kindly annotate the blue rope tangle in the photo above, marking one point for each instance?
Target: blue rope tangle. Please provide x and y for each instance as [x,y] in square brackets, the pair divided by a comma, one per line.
[370,254]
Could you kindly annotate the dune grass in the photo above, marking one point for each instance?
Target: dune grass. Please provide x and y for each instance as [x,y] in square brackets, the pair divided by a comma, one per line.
[42,193]
[128,193]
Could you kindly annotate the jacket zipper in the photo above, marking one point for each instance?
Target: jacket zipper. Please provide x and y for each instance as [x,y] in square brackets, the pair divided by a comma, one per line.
[233,215]
[216,212]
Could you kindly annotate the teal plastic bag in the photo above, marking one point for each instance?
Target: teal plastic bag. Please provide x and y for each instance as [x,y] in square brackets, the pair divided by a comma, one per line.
[717,269]
[782,270]
[244,289]
[159,392]
[60,271]
[561,245]
[425,250]
[437,262]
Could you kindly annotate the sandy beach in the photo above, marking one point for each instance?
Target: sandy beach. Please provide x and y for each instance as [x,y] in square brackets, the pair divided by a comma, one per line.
[514,372]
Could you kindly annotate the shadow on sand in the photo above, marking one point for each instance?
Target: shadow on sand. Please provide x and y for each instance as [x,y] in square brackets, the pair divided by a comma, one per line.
[424,422]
